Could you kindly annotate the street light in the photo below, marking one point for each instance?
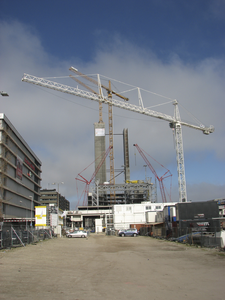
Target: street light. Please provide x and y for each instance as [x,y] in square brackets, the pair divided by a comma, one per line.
[55,183]
[4,94]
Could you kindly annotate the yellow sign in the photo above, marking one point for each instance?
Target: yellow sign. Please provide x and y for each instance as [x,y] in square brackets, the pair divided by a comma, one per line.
[132,181]
[40,215]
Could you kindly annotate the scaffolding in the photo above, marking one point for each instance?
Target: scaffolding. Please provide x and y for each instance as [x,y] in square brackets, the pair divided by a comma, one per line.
[125,193]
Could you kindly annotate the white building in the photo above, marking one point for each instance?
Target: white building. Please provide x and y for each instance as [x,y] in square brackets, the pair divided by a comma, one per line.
[144,213]
[120,216]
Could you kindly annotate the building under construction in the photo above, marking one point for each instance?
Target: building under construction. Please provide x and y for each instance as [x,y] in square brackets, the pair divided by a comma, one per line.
[128,193]
[107,193]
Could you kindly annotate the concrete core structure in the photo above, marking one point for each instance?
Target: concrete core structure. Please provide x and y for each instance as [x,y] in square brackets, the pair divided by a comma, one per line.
[126,155]
[99,151]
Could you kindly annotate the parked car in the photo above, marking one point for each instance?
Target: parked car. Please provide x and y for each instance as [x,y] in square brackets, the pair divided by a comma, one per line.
[128,232]
[71,230]
[77,233]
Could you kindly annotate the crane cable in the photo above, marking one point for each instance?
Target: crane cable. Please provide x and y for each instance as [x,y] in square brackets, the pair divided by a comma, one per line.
[134,88]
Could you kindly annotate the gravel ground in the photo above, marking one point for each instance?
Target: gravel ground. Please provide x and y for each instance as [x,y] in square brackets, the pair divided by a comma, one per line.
[109,267]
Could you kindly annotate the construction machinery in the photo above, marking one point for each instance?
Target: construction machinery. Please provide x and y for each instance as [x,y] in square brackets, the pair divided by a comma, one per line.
[110,115]
[174,121]
[160,179]
[87,183]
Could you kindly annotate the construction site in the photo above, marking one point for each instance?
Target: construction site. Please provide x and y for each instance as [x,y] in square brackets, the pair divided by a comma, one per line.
[107,205]
[100,191]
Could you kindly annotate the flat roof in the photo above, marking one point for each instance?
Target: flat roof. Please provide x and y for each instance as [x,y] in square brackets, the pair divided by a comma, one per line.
[94,207]
[3,117]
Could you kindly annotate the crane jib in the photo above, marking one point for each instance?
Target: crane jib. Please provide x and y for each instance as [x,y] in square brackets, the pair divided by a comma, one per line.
[118,103]
[174,122]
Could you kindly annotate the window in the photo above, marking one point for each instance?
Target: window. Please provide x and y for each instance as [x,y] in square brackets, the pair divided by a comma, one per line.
[148,207]
[158,207]
[128,208]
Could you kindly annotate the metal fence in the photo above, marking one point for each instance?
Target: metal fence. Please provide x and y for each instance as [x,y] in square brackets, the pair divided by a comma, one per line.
[145,231]
[14,236]
[202,237]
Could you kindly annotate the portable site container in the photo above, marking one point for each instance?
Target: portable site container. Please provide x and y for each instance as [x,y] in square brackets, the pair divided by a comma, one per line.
[198,214]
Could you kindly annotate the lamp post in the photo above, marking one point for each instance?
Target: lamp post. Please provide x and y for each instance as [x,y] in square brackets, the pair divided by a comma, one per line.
[57,183]
[31,206]
[4,94]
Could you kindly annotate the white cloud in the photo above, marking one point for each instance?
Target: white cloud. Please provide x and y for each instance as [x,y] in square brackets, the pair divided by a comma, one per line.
[59,127]
[206,191]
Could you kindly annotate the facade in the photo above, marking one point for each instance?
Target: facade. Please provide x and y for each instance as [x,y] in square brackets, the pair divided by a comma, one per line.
[115,216]
[55,204]
[221,206]
[50,197]
[20,176]
[135,214]
[91,217]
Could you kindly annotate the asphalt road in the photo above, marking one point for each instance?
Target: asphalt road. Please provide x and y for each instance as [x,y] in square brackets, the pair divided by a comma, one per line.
[109,267]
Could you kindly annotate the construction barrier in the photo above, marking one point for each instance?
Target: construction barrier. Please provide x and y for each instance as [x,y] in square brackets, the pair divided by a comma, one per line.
[14,236]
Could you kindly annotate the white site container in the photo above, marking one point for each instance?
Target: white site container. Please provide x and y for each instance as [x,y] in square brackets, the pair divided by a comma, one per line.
[150,216]
[98,225]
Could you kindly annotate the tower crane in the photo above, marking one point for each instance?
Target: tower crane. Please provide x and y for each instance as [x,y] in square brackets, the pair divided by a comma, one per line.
[174,121]
[87,87]
[110,116]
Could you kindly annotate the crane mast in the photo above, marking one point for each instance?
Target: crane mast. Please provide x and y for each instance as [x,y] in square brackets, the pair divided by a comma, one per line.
[174,121]
[111,155]
[179,154]
[98,83]
[110,117]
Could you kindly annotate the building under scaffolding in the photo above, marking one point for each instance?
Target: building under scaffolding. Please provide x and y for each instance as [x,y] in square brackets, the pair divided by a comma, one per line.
[127,193]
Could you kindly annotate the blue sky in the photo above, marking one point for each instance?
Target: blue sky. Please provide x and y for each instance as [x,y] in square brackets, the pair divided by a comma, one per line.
[191,29]
[173,48]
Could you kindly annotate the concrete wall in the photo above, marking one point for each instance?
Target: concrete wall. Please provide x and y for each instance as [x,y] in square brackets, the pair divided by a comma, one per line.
[100,149]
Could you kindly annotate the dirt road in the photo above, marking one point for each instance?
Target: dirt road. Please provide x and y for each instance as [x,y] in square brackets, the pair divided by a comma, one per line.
[109,267]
